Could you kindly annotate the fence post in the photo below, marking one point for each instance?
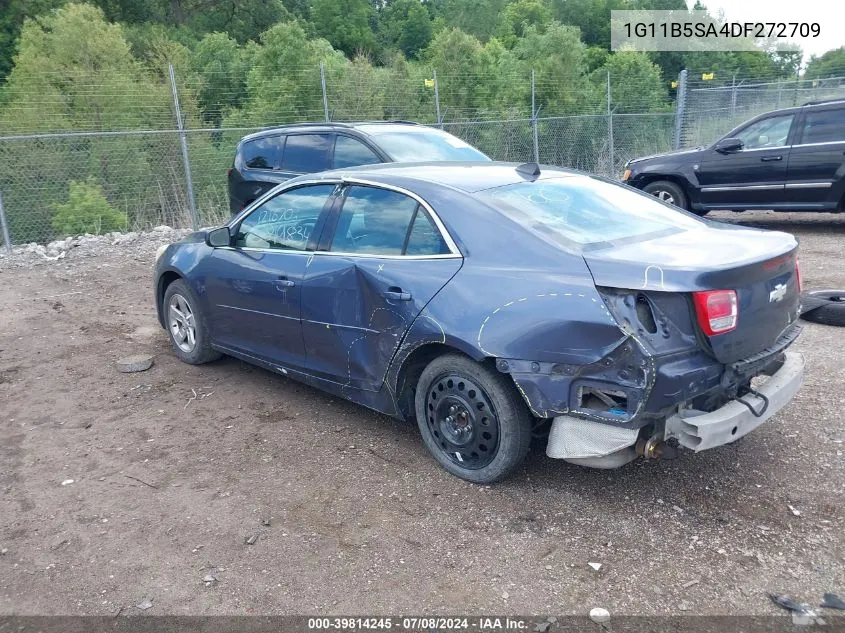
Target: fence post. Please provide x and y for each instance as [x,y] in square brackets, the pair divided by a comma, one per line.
[680,108]
[325,96]
[534,122]
[777,107]
[610,129]
[183,141]
[5,227]
[733,97]
[437,101]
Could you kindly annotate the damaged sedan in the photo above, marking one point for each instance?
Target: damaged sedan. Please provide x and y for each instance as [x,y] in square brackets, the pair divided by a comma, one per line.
[494,302]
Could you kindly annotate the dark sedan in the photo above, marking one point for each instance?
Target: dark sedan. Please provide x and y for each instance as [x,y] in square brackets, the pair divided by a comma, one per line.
[490,301]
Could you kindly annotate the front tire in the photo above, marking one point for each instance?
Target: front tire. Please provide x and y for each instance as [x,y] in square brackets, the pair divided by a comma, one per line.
[472,419]
[667,191]
[186,325]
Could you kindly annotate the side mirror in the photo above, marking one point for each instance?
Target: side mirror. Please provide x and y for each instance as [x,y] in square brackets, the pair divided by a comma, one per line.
[218,237]
[729,145]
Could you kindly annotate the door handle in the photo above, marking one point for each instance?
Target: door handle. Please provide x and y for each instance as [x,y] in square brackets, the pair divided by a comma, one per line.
[768,159]
[397,294]
[283,284]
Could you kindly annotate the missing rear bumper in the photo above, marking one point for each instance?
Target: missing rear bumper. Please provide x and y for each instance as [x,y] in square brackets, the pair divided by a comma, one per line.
[699,431]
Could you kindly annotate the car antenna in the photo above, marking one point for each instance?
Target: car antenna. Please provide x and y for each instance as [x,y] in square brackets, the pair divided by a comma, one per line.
[529,169]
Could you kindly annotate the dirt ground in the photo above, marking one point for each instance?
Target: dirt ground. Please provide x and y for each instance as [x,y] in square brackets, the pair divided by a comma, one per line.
[175,467]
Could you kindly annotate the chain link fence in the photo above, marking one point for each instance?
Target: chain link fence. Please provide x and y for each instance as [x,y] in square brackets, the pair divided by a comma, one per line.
[114,159]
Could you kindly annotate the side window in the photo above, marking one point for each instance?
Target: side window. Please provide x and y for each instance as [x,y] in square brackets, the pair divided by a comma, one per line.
[349,152]
[286,221]
[307,153]
[425,239]
[771,132]
[373,221]
[262,153]
[823,126]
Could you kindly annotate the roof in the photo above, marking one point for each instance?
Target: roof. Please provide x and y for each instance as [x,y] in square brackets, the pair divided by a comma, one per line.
[317,126]
[467,176]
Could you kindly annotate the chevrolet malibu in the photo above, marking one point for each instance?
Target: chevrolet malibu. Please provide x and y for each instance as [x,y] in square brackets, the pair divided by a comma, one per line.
[490,302]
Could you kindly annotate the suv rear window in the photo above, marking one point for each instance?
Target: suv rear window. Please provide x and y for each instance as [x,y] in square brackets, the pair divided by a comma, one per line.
[307,153]
[580,211]
[824,126]
[262,153]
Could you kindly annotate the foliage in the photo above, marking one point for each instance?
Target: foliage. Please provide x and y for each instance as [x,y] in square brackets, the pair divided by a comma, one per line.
[344,23]
[87,211]
[831,64]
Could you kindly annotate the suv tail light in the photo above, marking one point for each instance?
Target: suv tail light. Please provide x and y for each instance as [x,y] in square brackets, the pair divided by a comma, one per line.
[798,275]
[716,310]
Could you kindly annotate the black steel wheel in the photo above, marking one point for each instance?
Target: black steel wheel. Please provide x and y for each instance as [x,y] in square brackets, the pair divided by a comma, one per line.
[472,420]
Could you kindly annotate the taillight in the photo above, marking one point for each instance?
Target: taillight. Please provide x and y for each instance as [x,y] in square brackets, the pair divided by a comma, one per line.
[716,310]
[798,275]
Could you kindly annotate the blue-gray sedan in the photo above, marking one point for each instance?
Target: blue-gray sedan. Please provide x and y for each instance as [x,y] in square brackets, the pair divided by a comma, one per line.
[491,302]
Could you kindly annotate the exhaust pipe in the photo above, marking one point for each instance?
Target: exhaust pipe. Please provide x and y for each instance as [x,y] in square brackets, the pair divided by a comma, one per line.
[655,448]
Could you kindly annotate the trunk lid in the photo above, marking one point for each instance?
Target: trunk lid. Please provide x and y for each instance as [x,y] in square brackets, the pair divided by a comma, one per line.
[759,265]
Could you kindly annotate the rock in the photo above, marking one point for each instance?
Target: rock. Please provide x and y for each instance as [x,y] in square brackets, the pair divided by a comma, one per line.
[135,363]
[163,228]
[505,595]
[683,605]
[599,615]
[210,580]
[145,604]
[67,482]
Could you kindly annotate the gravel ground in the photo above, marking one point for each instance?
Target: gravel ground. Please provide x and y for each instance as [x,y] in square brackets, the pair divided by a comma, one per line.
[172,469]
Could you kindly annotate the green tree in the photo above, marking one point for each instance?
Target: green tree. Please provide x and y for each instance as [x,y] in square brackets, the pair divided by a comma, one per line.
[87,211]
[346,24]
[404,25]
[12,16]
[592,17]
[221,68]
[831,64]
[479,18]
[635,83]
[519,14]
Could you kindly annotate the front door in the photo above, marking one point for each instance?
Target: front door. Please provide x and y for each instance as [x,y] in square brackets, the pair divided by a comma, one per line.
[385,261]
[754,176]
[254,286]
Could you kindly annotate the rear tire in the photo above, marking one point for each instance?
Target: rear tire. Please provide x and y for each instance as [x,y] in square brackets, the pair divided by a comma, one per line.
[472,419]
[186,325]
[824,306]
[667,191]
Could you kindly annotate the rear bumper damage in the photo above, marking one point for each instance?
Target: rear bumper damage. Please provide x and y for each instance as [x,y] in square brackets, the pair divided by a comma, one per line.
[699,431]
[602,445]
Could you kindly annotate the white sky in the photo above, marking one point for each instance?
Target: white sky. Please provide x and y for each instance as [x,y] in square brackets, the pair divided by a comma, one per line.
[830,14]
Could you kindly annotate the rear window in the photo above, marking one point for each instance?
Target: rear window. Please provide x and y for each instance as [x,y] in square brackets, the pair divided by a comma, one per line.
[307,153]
[583,212]
[423,144]
[262,153]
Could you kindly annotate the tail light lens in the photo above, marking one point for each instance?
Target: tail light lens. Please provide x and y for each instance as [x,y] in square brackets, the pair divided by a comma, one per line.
[716,310]
[798,275]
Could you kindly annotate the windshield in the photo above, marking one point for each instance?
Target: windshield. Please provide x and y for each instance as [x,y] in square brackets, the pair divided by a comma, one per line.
[580,211]
[413,145]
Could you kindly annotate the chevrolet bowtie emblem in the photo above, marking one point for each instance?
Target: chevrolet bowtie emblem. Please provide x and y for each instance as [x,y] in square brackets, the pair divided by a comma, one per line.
[778,293]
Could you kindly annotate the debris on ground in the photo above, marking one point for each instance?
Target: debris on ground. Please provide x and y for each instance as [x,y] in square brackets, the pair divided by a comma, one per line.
[599,615]
[209,579]
[505,595]
[832,601]
[785,602]
[145,604]
[595,566]
[251,540]
[794,510]
[67,482]
[265,522]
[192,398]
[135,363]
[683,605]
[691,583]
[542,627]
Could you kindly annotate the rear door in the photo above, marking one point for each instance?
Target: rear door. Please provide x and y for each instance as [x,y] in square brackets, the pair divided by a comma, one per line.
[254,286]
[816,173]
[754,176]
[384,260]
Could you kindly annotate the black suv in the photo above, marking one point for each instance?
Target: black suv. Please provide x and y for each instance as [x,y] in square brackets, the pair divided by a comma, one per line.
[268,157]
[791,159]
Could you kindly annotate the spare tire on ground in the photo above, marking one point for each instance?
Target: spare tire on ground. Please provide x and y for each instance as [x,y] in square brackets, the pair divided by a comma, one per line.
[824,306]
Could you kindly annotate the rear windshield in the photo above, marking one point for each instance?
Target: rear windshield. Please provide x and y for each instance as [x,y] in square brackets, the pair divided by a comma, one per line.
[584,212]
[423,144]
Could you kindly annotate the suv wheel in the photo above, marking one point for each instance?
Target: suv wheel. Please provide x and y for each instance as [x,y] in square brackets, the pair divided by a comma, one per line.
[667,192]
